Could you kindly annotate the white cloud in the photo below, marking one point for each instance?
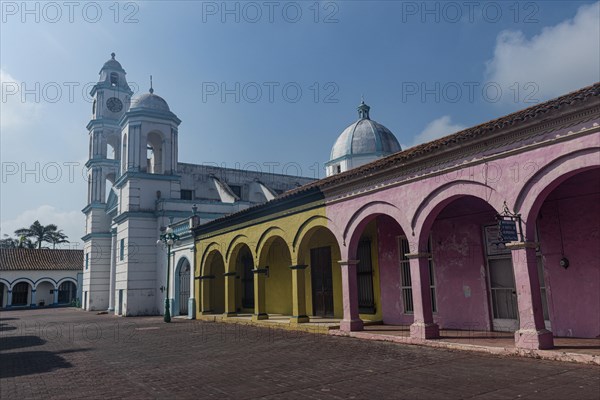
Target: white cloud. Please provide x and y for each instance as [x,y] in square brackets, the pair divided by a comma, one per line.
[436,129]
[562,58]
[16,113]
[71,222]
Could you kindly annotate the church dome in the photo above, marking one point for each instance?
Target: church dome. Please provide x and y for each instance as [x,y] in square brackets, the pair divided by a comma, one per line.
[150,101]
[112,64]
[365,137]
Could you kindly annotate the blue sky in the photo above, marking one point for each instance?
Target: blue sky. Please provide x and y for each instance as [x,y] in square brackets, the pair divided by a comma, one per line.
[426,68]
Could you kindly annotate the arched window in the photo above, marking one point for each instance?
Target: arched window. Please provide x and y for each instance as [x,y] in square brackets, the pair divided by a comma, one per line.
[20,294]
[114,79]
[124,155]
[66,292]
[154,153]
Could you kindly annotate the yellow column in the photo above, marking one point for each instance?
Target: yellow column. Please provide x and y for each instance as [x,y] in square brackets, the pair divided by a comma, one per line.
[259,294]
[205,304]
[298,295]
[230,310]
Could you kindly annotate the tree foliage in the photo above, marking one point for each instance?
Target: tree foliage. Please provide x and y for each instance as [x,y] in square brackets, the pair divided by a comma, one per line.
[34,236]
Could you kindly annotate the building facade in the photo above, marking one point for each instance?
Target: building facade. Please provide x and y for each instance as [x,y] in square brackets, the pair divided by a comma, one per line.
[40,277]
[414,238]
[137,187]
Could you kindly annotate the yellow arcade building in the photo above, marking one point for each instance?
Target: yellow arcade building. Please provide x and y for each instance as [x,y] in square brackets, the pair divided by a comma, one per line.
[279,259]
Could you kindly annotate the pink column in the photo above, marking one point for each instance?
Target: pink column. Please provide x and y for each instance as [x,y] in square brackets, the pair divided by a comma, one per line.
[423,326]
[532,333]
[351,321]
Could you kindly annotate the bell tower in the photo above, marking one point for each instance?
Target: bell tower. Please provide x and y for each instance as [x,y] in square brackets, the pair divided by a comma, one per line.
[111,100]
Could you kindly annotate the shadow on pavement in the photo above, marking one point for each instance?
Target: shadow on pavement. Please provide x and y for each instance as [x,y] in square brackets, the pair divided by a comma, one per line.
[31,362]
[7,327]
[16,342]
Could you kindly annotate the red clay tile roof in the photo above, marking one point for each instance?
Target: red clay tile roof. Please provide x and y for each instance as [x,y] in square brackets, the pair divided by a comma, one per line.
[40,259]
[541,110]
[455,139]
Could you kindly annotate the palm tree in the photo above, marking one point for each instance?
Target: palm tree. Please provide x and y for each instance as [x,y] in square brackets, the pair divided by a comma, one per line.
[58,237]
[8,242]
[39,233]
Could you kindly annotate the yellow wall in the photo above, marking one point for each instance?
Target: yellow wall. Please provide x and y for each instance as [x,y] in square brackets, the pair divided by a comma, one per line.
[278,242]
[306,228]
[370,232]
[278,288]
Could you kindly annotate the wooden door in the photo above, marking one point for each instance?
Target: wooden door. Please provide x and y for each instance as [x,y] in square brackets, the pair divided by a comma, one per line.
[322,281]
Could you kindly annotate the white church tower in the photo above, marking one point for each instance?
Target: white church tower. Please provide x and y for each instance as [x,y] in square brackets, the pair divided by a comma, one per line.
[137,188]
[111,99]
[148,173]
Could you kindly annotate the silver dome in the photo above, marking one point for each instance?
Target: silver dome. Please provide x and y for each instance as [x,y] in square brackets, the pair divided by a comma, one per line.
[150,101]
[365,137]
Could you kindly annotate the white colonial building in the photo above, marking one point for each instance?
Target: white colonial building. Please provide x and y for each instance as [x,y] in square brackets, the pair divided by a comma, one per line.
[39,277]
[137,187]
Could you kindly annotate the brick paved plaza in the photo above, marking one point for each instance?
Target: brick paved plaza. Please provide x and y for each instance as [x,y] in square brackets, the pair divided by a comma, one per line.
[67,353]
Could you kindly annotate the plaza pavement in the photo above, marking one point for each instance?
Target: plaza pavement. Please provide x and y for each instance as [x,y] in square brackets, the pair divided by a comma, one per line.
[69,353]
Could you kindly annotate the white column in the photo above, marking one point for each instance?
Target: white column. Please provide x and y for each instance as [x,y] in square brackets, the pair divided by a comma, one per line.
[192,300]
[113,272]
[55,295]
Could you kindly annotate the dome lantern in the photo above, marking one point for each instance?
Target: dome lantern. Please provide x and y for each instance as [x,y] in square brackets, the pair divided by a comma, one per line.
[360,143]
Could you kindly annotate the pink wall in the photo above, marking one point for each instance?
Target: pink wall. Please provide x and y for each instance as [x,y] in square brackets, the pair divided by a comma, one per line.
[460,265]
[519,179]
[392,306]
[574,293]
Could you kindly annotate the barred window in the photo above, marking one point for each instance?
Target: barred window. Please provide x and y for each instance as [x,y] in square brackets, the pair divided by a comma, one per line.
[406,280]
[366,298]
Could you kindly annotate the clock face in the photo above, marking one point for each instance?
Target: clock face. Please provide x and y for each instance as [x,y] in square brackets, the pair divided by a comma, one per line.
[114,104]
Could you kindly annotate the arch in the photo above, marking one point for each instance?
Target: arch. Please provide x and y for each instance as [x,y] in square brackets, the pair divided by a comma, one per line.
[67,278]
[266,236]
[21,297]
[306,226]
[428,210]
[242,263]
[213,246]
[182,291]
[19,280]
[155,155]
[7,283]
[113,143]
[46,279]
[566,226]
[213,283]
[276,256]
[319,244]
[67,292]
[531,197]
[363,216]
[3,295]
[451,240]
[232,244]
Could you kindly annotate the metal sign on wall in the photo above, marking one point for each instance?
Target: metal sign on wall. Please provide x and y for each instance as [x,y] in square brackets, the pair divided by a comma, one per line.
[508,231]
